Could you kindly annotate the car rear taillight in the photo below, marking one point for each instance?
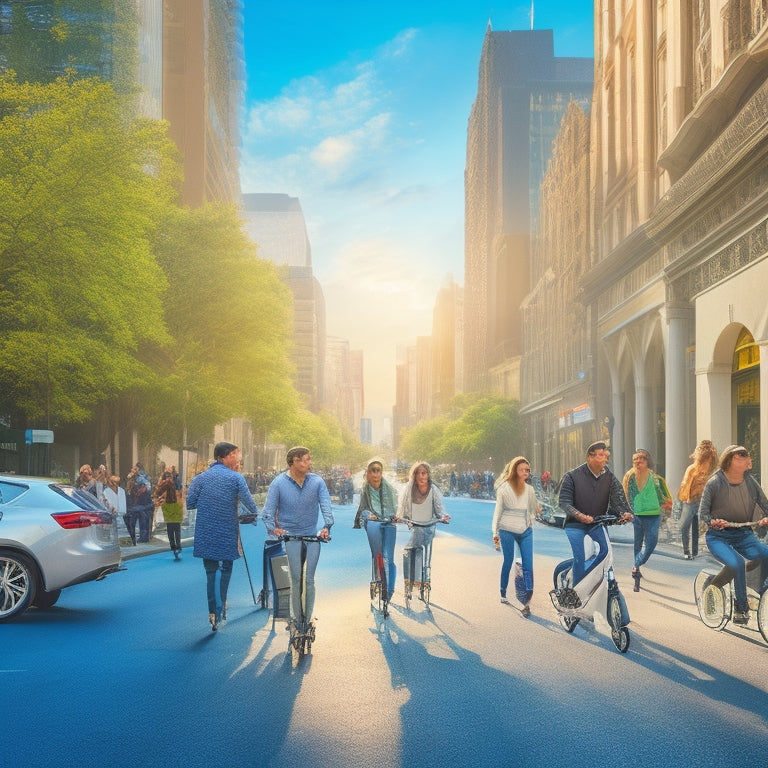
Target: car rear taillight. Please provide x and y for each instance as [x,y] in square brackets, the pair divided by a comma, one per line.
[79,519]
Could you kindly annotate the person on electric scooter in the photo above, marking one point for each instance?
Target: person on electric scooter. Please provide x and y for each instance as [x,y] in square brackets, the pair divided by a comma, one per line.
[733,496]
[587,492]
[295,501]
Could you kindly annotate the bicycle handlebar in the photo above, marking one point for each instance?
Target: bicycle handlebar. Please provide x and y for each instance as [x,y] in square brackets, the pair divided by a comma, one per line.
[292,537]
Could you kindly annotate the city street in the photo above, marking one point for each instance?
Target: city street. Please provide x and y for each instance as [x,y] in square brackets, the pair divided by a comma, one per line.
[126,672]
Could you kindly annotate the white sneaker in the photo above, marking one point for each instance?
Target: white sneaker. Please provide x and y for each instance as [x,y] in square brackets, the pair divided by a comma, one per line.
[505,601]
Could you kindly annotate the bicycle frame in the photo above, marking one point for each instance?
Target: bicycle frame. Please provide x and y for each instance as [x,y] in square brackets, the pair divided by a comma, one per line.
[715,600]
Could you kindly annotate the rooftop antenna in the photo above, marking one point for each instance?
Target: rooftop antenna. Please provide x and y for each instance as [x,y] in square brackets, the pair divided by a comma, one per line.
[531,15]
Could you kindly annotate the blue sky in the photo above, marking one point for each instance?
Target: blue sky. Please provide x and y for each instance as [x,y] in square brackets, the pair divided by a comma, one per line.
[360,110]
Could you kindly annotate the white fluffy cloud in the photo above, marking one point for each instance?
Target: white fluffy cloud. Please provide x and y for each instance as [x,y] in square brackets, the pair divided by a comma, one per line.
[384,208]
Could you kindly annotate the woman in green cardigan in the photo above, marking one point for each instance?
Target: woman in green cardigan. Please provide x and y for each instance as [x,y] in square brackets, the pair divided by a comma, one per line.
[649,497]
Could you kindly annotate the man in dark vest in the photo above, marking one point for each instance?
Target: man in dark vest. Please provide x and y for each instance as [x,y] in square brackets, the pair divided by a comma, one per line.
[587,492]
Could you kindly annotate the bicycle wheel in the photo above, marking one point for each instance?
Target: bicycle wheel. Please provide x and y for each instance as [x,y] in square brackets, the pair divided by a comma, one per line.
[762,616]
[619,634]
[383,590]
[712,602]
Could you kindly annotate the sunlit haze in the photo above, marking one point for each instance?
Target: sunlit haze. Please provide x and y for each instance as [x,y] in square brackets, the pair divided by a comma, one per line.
[361,113]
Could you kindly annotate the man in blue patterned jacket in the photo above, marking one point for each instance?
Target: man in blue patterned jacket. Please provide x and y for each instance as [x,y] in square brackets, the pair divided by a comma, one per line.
[216,494]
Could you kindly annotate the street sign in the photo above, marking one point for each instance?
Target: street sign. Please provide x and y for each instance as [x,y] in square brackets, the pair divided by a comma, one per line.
[38,436]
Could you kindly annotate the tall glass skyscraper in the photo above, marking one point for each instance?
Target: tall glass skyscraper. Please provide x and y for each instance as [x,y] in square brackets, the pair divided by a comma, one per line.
[523,92]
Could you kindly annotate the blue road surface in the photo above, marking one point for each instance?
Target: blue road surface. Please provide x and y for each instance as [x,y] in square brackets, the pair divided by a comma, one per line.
[126,672]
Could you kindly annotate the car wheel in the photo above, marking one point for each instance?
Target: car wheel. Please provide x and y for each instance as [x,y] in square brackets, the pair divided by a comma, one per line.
[17,584]
[45,599]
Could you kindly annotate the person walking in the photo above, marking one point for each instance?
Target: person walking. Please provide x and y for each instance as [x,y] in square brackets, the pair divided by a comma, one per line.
[649,498]
[216,494]
[377,513]
[85,481]
[512,524]
[296,500]
[166,497]
[140,504]
[731,498]
[115,499]
[705,461]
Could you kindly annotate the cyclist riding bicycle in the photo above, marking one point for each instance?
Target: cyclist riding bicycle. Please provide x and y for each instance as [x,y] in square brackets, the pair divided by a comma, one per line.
[377,513]
[295,500]
[730,498]
[589,491]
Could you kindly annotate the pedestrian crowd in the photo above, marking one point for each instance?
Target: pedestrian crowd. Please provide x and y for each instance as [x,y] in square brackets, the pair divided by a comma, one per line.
[138,501]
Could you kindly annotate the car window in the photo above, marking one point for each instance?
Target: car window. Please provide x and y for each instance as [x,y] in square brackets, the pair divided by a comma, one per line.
[9,491]
[81,498]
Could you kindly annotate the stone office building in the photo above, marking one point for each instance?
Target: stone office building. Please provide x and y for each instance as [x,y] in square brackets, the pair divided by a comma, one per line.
[679,227]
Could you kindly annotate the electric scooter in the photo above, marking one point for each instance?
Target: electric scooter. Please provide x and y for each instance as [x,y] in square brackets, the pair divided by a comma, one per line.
[596,597]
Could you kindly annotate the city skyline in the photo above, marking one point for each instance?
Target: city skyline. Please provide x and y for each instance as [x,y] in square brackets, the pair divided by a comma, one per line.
[362,114]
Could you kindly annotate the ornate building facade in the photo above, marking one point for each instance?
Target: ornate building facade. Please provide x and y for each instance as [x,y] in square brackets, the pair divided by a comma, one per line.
[679,215]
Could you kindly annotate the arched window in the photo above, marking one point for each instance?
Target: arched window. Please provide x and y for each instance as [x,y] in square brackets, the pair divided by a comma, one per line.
[746,391]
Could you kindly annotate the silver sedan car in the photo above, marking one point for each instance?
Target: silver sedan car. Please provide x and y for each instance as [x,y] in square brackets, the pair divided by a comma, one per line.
[52,536]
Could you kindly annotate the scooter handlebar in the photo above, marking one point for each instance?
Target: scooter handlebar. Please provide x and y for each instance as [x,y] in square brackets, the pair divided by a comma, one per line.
[608,520]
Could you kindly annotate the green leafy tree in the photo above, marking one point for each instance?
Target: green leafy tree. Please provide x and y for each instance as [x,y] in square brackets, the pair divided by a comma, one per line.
[475,430]
[229,318]
[424,440]
[328,441]
[82,188]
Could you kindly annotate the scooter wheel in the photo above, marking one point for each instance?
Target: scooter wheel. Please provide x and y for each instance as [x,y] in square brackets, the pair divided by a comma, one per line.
[621,639]
[568,623]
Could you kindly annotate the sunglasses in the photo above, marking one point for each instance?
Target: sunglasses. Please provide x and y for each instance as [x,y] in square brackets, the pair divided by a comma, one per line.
[741,454]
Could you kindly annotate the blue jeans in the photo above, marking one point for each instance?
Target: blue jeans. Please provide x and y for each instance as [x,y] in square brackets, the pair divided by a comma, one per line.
[295,565]
[211,570]
[576,533]
[733,547]
[524,543]
[381,539]
[689,527]
[646,532]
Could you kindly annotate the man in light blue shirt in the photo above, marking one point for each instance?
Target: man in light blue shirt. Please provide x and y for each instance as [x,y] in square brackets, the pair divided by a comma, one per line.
[295,501]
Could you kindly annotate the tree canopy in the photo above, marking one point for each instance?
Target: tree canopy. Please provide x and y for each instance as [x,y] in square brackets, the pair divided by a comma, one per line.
[229,317]
[328,441]
[118,307]
[476,428]
[83,188]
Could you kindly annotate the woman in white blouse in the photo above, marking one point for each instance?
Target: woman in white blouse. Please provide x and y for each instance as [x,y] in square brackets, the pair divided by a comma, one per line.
[516,507]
